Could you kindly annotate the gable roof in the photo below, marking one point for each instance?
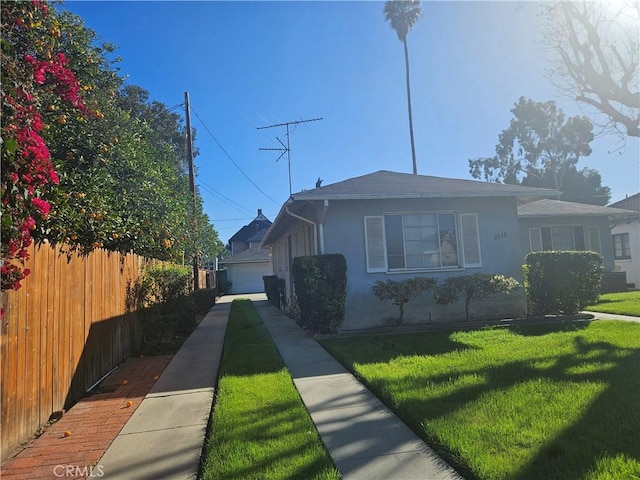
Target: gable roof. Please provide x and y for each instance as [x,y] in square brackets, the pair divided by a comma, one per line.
[386,184]
[250,232]
[629,203]
[558,208]
[255,255]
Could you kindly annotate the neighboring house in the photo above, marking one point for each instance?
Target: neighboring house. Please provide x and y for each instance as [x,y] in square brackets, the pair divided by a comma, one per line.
[248,262]
[626,240]
[557,225]
[394,226]
[246,269]
[250,236]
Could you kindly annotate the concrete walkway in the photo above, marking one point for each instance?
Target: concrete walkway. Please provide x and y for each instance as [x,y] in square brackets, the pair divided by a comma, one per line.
[610,316]
[165,435]
[364,438]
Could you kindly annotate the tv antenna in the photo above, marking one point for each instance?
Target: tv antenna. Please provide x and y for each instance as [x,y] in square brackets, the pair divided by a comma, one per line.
[285,148]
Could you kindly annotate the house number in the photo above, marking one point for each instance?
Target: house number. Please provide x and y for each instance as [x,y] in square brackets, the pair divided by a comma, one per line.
[500,236]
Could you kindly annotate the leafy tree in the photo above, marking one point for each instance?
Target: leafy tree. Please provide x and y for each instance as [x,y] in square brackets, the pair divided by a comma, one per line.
[34,76]
[112,172]
[473,287]
[541,148]
[400,292]
[402,16]
[596,46]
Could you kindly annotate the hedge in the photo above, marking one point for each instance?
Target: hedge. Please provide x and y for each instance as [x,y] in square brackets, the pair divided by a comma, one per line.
[274,288]
[562,281]
[321,289]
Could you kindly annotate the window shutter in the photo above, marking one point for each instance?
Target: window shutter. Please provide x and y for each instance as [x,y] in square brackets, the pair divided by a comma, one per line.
[594,240]
[374,244]
[535,240]
[470,240]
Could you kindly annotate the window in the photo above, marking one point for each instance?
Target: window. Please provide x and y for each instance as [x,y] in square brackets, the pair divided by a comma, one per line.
[565,237]
[621,246]
[419,241]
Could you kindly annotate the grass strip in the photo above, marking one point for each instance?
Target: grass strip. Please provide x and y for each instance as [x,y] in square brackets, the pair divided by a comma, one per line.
[541,402]
[624,303]
[260,428]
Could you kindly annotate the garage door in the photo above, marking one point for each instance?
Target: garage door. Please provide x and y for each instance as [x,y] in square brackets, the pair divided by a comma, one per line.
[247,278]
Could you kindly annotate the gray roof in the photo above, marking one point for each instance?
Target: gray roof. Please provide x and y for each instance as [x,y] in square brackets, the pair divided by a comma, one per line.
[629,203]
[386,184]
[254,255]
[258,236]
[558,208]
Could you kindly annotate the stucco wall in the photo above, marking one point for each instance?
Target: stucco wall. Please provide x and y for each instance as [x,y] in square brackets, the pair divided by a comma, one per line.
[500,249]
[632,266]
[297,240]
[602,223]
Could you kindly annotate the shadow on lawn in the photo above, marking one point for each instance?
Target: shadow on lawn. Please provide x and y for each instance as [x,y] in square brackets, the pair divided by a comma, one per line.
[613,418]
[386,349]
[258,426]
[533,330]
[609,425]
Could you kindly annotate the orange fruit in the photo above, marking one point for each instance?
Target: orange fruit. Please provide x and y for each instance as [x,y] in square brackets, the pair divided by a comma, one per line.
[124,382]
[129,403]
[67,433]
[156,377]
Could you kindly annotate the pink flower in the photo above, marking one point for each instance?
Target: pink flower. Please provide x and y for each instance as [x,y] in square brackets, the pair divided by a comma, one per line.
[41,205]
[28,224]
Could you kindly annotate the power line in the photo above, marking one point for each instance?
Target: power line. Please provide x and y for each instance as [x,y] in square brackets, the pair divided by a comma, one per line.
[232,160]
[223,197]
[243,218]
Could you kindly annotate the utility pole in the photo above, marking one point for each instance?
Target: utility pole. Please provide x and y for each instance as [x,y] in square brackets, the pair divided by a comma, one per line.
[192,185]
[285,148]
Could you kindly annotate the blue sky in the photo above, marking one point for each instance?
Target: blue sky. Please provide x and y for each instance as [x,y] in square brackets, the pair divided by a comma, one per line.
[254,64]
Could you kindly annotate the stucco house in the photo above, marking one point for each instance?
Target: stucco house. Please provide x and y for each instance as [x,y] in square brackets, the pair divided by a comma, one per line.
[392,225]
[248,262]
[548,224]
[626,240]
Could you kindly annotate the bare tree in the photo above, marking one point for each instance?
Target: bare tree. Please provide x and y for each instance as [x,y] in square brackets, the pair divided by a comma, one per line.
[595,46]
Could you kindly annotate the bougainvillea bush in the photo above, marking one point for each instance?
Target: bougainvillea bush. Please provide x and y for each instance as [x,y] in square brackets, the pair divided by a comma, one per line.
[30,71]
[87,161]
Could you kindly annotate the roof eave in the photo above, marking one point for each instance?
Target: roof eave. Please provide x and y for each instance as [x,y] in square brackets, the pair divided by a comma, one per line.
[550,193]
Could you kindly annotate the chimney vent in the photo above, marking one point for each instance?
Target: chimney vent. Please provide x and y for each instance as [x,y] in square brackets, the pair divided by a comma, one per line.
[259,211]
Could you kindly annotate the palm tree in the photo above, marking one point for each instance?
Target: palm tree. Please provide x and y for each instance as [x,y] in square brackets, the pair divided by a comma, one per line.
[402,15]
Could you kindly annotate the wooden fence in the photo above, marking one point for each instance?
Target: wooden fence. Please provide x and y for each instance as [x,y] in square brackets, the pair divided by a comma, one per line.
[63,331]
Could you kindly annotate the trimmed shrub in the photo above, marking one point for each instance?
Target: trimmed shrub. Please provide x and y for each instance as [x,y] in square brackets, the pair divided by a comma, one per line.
[321,290]
[274,288]
[473,287]
[400,292]
[204,299]
[169,282]
[562,282]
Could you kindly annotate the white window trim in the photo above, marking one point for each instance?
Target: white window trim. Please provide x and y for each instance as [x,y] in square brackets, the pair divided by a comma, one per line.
[586,229]
[537,231]
[463,264]
[621,235]
[461,235]
[385,268]
[588,245]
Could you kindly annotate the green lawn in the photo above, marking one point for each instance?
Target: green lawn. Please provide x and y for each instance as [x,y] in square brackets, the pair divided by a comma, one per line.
[260,428]
[532,402]
[625,303]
